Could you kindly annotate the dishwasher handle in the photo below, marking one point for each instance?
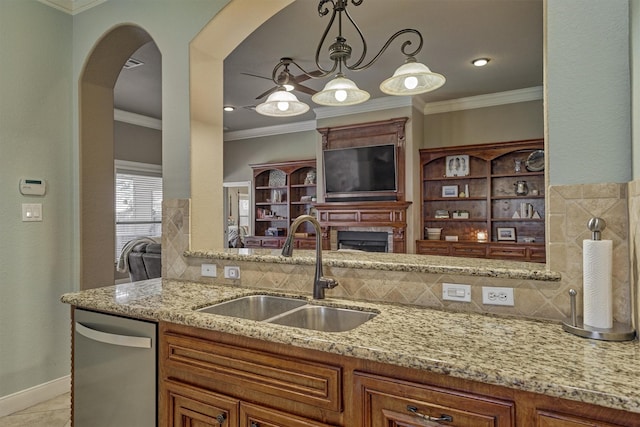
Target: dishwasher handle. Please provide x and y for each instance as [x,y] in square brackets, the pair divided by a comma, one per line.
[107,338]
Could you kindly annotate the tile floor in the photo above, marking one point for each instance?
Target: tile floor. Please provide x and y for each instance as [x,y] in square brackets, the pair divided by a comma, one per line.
[52,413]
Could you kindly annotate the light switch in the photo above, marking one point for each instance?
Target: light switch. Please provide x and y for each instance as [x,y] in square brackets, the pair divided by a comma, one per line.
[31,212]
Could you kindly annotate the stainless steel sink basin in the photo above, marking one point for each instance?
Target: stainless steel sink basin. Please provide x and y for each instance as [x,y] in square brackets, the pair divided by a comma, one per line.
[321,318]
[255,307]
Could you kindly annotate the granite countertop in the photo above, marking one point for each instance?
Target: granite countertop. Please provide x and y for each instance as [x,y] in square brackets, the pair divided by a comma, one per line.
[390,262]
[522,354]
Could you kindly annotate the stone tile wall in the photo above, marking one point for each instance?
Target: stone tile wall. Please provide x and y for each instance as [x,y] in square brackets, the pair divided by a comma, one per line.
[634,246]
[569,209]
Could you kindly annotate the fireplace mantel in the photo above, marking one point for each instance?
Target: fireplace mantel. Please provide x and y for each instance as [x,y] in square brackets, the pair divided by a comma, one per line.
[383,214]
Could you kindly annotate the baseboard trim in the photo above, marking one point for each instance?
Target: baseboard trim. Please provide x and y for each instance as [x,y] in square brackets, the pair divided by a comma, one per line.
[32,396]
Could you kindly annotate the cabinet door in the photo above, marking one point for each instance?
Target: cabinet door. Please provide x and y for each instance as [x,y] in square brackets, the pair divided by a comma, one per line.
[384,402]
[257,416]
[192,407]
[554,419]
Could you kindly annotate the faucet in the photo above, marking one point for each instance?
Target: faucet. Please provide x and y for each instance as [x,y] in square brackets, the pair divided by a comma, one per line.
[320,282]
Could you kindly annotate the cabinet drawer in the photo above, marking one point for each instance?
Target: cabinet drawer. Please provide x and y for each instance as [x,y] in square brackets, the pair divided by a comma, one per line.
[538,254]
[424,247]
[476,251]
[504,251]
[252,242]
[258,416]
[239,371]
[271,243]
[384,402]
[305,244]
[554,419]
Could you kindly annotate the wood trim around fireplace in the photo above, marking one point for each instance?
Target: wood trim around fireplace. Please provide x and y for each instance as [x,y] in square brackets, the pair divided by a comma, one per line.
[365,214]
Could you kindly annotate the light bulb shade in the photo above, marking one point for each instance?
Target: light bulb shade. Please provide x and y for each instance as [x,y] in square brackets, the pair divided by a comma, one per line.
[412,78]
[282,104]
[340,91]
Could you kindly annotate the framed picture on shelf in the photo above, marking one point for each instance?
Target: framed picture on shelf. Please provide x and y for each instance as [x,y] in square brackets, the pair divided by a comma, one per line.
[506,234]
[313,212]
[449,191]
[457,165]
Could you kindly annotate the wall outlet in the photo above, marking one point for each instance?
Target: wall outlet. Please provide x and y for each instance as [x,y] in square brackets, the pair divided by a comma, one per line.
[456,292]
[209,270]
[231,272]
[497,296]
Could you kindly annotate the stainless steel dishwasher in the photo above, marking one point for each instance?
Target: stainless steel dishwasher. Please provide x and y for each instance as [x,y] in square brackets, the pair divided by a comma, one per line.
[114,371]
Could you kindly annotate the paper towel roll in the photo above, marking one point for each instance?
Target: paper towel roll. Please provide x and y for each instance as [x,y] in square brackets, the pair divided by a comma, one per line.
[597,289]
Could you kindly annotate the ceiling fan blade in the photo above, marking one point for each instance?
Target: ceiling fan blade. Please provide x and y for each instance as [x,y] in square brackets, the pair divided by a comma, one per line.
[267,93]
[304,89]
[255,75]
[302,77]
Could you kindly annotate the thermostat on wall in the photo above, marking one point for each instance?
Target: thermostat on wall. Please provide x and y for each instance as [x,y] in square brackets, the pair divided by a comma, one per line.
[33,187]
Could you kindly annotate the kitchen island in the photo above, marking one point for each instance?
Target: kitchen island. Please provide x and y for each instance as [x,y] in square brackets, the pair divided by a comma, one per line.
[515,354]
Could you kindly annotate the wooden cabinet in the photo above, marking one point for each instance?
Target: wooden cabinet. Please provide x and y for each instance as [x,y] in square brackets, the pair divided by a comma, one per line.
[546,418]
[189,406]
[384,402]
[495,189]
[206,382]
[209,378]
[257,416]
[282,192]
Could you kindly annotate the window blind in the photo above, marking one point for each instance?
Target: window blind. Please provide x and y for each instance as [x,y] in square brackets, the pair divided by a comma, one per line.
[138,205]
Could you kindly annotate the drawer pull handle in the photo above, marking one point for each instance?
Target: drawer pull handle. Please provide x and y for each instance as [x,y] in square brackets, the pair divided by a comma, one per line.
[254,424]
[443,417]
[221,418]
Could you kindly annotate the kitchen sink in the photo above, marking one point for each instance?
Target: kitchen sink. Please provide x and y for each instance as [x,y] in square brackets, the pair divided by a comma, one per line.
[292,312]
[322,318]
[255,307]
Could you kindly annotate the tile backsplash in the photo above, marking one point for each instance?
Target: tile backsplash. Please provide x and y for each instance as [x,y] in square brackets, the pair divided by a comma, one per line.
[569,209]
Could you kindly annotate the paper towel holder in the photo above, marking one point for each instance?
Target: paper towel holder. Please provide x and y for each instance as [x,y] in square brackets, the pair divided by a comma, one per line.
[574,325]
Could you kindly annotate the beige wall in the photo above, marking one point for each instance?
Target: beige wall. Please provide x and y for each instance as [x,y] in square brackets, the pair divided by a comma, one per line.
[239,154]
[509,122]
[135,143]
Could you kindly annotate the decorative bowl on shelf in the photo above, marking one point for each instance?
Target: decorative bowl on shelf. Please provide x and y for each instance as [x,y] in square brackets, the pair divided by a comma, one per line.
[433,233]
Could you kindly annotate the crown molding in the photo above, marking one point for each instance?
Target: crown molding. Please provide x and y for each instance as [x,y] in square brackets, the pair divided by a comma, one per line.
[136,119]
[270,130]
[389,102]
[72,7]
[377,104]
[483,101]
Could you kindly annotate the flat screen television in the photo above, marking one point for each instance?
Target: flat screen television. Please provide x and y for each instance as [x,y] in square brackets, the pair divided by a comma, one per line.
[360,173]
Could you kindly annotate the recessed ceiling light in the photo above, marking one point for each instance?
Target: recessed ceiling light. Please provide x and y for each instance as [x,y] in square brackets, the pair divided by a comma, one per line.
[228,108]
[480,62]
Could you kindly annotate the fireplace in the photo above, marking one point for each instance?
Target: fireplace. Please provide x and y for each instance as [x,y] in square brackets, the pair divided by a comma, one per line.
[367,241]
[386,217]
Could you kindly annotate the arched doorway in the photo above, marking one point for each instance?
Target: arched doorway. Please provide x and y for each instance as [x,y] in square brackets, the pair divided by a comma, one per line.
[232,24]
[97,213]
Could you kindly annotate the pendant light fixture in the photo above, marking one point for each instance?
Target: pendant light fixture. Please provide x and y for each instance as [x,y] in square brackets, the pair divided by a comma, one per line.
[411,78]
[282,104]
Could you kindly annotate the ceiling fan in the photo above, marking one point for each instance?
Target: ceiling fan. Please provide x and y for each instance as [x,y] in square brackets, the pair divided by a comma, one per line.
[286,79]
